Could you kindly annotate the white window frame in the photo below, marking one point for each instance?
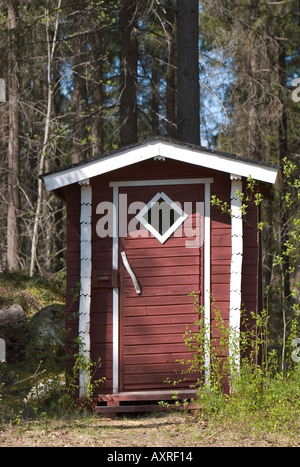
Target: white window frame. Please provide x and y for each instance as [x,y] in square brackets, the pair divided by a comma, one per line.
[182,217]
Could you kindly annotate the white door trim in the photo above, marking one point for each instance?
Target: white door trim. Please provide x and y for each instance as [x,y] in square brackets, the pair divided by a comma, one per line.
[207,279]
[115,259]
[176,181]
[115,265]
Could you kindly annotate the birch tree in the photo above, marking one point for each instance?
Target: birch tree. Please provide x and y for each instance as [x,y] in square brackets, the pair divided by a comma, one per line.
[51,46]
[13,152]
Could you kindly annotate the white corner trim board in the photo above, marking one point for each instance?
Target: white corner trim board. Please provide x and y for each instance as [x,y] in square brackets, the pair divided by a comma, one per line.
[85,278]
[235,273]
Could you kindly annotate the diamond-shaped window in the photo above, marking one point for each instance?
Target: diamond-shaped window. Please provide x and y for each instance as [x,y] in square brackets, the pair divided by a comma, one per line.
[161,216]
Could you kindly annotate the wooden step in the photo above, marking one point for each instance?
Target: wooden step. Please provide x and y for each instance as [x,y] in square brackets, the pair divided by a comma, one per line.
[138,401]
[112,410]
[163,395]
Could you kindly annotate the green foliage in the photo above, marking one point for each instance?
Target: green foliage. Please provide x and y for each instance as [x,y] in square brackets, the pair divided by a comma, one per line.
[265,393]
[280,224]
[37,384]
[32,293]
[201,346]
[83,365]
[45,391]
[264,402]
[250,196]
[261,396]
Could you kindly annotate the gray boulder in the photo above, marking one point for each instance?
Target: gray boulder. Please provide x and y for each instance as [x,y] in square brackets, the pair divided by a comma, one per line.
[11,316]
[47,328]
[12,331]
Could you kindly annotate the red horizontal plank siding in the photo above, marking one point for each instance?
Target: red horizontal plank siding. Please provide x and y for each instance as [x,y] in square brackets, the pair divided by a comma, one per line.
[154,323]
[101,326]
[220,258]
[251,262]
[73,270]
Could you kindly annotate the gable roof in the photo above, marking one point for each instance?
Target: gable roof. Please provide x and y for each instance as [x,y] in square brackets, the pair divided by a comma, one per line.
[165,148]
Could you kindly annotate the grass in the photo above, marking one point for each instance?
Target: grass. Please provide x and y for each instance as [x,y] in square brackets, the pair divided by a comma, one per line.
[260,413]
[262,404]
[263,409]
[156,430]
[31,294]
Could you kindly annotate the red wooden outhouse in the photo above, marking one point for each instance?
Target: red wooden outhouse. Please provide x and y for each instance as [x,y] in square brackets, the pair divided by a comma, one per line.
[142,235]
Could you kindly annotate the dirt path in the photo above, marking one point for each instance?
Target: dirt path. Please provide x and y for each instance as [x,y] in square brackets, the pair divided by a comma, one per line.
[149,431]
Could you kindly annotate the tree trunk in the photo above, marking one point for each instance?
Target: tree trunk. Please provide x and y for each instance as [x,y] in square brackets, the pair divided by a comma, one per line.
[171,72]
[79,149]
[155,97]
[283,152]
[188,117]
[128,98]
[254,131]
[97,93]
[51,50]
[52,212]
[13,194]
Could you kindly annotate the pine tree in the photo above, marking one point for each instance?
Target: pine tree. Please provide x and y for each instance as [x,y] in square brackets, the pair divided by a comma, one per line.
[129,60]
[188,116]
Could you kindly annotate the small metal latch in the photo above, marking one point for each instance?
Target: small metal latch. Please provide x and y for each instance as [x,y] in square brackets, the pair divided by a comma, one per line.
[103,278]
[106,278]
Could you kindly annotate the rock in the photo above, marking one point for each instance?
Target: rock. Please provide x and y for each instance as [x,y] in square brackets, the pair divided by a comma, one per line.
[12,330]
[9,378]
[43,390]
[44,330]
[11,316]
[46,327]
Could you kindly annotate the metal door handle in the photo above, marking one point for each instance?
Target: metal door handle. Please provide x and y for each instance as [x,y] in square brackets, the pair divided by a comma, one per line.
[130,272]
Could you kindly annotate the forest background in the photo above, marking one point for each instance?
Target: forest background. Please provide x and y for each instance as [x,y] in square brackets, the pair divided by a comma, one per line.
[86,77]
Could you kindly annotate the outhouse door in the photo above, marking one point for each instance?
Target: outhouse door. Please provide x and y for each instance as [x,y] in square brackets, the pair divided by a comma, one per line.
[160,259]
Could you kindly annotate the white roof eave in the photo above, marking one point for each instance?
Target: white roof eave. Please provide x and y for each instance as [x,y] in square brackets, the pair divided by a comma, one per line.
[201,158]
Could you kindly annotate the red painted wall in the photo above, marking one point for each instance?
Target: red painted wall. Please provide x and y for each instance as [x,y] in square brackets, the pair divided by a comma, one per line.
[73,270]
[101,300]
